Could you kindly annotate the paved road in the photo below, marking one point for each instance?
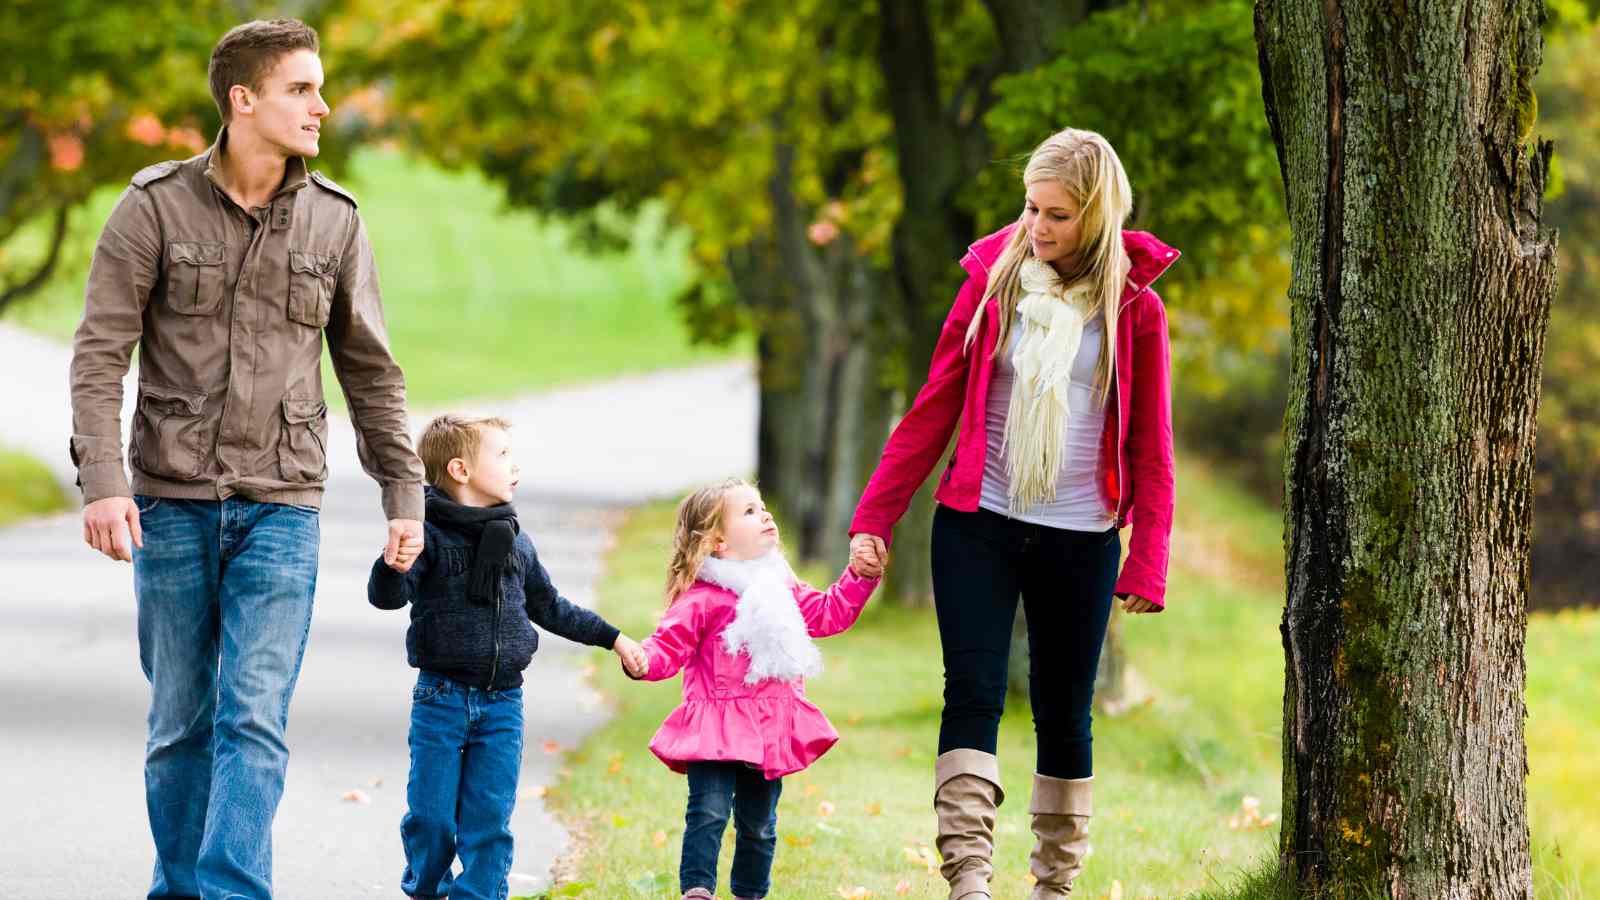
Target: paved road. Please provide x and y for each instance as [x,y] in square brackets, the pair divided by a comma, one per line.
[73,701]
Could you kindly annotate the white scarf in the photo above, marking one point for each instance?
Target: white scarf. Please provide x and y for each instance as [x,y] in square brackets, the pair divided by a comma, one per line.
[767,626]
[1051,320]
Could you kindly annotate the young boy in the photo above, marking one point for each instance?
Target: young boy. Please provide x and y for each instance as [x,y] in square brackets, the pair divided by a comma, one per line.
[475,592]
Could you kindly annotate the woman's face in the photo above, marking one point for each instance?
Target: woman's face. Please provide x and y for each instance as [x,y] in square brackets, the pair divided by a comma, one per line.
[1051,217]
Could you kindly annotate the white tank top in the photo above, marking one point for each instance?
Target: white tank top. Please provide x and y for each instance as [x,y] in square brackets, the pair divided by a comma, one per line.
[1077,506]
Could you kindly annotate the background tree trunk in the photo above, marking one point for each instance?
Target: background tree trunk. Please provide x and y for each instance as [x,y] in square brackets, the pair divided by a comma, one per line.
[1420,292]
[821,420]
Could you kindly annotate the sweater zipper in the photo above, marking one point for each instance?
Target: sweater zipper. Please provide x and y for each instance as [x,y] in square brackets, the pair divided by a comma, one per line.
[494,667]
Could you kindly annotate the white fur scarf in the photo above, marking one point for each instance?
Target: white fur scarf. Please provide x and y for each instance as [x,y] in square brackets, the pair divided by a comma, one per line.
[766,626]
[1051,321]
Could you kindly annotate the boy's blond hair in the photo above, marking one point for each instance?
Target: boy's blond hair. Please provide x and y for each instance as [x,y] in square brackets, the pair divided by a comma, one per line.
[453,436]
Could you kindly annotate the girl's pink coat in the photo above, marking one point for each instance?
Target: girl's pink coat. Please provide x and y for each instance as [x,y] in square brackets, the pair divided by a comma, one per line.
[1135,448]
[769,725]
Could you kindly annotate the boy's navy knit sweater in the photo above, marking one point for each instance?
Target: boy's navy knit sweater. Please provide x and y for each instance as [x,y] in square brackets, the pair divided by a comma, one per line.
[461,633]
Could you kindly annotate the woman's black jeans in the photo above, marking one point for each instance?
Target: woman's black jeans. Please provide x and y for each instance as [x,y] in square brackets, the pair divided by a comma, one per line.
[717,790]
[982,562]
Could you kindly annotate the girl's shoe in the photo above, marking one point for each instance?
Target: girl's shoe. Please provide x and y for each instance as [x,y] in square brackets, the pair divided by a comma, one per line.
[699,894]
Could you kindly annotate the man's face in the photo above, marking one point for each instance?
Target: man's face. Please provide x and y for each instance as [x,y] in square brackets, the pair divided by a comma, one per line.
[288,111]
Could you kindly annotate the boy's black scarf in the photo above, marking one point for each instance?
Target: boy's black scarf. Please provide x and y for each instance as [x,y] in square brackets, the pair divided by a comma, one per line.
[496,528]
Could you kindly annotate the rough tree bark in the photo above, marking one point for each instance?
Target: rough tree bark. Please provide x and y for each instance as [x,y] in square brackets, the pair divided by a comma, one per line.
[1420,292]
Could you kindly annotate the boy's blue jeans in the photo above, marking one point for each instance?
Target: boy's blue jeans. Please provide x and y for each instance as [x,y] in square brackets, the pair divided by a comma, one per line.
[717,789]
[466,754]
[224,592]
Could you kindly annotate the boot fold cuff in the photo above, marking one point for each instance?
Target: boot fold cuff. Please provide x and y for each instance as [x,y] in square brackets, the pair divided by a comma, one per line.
[966,761]
[1062,796]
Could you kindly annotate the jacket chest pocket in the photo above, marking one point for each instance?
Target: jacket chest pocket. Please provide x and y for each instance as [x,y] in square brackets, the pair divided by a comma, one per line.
[195,277]
[302,448]
[169,431]
[311,281]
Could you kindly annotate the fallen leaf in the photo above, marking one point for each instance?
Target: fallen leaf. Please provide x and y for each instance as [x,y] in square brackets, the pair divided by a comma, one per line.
[615,764]
[532,792]
[618,822]
[902,887]
[659,838]
[799,840]
[551,746]
[355,796]
[376,782]
[854,893]
[1116,889]
[874,809]
[809,790]
[825,809]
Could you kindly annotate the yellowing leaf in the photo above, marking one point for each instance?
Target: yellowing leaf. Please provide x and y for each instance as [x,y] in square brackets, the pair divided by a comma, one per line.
[659,838]
[902,887]
[854,893]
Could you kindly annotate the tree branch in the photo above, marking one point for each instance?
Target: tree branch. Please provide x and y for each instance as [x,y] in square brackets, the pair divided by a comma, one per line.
[58,236]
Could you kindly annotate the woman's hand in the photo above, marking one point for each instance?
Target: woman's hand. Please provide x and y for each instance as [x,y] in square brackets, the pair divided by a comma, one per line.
[1133,603]
[868,555]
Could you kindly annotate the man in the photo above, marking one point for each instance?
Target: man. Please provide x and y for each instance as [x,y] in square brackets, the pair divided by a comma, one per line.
[226,270]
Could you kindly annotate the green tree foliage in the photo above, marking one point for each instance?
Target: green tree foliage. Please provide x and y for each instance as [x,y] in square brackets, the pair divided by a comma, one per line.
[1566,552]
[90,92]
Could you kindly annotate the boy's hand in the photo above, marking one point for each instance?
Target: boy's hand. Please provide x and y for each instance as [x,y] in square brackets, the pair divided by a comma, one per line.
[405,544]
[635,661]
[868,555]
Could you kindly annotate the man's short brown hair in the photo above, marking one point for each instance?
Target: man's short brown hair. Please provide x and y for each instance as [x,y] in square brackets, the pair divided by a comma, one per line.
[453,436]
[248,52]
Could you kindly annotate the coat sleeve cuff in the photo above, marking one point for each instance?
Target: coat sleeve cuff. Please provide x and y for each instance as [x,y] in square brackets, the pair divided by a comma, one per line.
[403,500]
[1138,580]
[101,480]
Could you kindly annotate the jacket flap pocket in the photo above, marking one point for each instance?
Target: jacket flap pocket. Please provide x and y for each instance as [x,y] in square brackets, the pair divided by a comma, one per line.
[196,253]
[299,411]
[313,263]
[192,401]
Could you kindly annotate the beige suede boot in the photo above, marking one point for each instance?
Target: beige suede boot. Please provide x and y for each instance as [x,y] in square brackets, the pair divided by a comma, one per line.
[1061,808]
[966,793]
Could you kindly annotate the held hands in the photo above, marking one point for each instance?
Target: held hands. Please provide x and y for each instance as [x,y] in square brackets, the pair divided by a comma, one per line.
[108,525]
[635,661]
[405,544]
[869,556]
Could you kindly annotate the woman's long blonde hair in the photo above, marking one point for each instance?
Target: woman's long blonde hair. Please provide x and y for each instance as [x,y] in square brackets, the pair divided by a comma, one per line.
[695,535]
[1086,167]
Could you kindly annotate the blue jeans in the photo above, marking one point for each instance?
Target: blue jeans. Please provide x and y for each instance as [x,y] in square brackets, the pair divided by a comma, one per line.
[466,754]
[224,594]
[715,790]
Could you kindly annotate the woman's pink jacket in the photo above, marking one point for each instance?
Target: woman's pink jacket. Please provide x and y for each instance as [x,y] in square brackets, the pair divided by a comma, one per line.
[1136,446]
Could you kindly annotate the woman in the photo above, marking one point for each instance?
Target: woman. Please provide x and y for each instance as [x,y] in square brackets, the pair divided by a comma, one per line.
[1055,363]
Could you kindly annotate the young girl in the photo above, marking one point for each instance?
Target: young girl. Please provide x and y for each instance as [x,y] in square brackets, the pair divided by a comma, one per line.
[740,626]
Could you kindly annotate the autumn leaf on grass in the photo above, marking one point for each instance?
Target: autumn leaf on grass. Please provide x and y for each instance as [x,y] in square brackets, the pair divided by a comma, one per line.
[1249,817]
[532,792]
[551,746]
[615,764]
[902,887]
[659,838]
[355,796]
[922,856]
[854,893]
[799,840]
[1116,890]
[619,822]
[874,809]
[825,809]
[808,790]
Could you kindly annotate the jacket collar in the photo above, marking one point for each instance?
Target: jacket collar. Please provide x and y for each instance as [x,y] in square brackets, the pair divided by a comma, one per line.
[1149,256]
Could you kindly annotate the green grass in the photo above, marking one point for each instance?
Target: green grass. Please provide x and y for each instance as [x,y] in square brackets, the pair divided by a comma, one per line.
[27,488]
[1172,773]
[479,301]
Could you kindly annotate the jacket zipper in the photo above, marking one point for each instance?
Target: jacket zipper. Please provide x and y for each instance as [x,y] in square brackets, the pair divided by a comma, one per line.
[494,667]
[1116,385]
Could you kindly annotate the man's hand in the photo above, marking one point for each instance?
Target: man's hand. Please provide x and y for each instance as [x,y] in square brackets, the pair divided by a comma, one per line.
[869,556]
[109,523]
[635,661]
[405,544]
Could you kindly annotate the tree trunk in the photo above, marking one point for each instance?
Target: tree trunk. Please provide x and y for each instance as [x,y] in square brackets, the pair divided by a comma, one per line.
[816,307]
[1420,293]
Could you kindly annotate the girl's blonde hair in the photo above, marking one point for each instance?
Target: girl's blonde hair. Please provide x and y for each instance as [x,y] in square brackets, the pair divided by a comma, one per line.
[698,528]
[1084,164]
